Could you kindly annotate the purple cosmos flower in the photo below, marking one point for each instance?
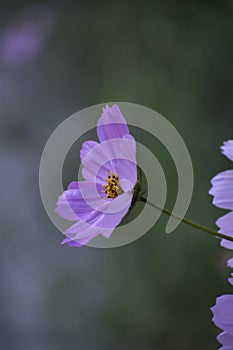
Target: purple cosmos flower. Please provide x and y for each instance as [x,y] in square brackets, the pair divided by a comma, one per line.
[99,203]
[223,318]
[222,191]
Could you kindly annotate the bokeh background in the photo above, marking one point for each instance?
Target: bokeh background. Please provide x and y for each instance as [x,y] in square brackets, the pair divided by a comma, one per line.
[57,57]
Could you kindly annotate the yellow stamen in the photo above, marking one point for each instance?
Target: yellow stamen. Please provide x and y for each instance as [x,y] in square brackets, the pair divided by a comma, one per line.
[112,188]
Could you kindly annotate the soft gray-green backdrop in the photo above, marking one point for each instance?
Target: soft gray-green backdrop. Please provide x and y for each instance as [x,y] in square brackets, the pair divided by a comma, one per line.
[57,57]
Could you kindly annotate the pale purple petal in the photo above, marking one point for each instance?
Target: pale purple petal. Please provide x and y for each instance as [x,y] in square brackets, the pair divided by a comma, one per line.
[98,157]
[80,202]
[116,209]
[108,156]
[133,144]
[130,172]
[227,149]
[225,223]
[111,212]
[73,186]
[230,263]
[63,207]
[111,124]
[222,190]
[87,147]
[81,233]
[126,170]
[230,279]
[70,243]
[72,206]
[223,313]
[225,339]
[81,230]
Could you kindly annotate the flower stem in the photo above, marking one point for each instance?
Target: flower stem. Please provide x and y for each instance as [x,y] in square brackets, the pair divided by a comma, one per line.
[188,222]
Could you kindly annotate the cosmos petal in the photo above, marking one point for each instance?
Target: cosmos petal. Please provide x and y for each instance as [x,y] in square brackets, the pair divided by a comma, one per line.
[222,190]
[83,229]
[70,243]
[225,339]
[230,279]
[227,149]
[82,241]
[109,156]
[111,124]
[127,173]
[225,223]
[230,263]
[81,202]
[72,206]
[87,147]
[223,313]
[97,157]
[125,161]
[73,185]
[81,232]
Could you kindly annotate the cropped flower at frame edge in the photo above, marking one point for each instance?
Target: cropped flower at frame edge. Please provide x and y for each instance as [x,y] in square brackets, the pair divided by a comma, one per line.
[222,191]
[99,203]
[223,319]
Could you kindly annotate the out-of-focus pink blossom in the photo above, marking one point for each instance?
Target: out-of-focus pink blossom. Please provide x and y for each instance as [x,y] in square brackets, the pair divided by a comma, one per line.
[25,36]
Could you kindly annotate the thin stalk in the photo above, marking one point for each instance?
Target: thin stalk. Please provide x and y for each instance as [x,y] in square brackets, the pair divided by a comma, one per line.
[188,222]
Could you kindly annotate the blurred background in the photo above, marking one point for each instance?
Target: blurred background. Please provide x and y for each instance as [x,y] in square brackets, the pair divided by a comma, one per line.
[55,59]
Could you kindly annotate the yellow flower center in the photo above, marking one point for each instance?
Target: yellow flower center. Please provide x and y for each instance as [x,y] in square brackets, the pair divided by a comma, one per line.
[112,188]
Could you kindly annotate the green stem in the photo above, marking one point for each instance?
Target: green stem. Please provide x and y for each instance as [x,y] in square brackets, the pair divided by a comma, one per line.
[188,222]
